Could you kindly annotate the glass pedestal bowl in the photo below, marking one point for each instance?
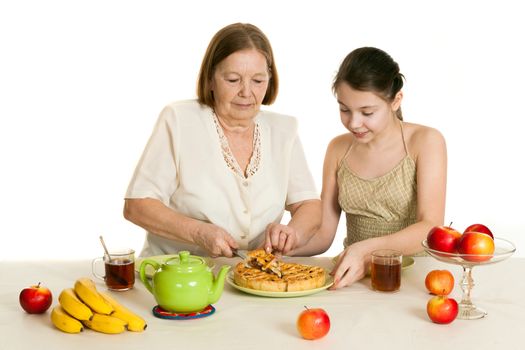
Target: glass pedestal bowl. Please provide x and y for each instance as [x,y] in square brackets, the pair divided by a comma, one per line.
[503,250]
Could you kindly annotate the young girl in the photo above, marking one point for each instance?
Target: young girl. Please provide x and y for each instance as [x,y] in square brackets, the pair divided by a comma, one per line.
[388,176]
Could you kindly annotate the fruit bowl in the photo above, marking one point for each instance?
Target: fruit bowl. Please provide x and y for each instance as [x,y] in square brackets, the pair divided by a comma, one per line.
[503,250]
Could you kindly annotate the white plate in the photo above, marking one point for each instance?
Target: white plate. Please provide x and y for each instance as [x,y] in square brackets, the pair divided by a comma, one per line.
[161,259]
[263,293]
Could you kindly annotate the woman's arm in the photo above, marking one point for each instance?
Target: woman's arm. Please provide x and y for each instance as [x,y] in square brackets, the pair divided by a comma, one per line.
[431,164]
[157,218]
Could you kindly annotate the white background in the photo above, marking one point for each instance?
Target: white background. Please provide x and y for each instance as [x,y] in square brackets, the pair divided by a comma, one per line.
[82,83]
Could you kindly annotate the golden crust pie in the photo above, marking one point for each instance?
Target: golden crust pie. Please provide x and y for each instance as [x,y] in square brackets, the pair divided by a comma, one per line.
[259,274]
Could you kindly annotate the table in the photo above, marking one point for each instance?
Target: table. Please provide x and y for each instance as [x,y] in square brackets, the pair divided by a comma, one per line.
[360,318]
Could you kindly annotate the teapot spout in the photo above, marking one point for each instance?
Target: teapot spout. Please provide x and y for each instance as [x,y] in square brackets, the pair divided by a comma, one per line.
[218,284]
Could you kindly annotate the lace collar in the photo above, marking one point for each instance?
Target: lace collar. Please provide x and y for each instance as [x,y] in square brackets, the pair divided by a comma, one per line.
[227,154]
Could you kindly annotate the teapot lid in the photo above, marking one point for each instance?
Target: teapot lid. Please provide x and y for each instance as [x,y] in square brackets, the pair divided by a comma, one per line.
[186,262]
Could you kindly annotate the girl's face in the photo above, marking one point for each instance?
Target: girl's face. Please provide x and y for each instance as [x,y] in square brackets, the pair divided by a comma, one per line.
[239,85]
[365,114]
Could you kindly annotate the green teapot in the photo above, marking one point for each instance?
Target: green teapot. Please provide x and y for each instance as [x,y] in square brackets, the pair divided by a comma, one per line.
[183,283]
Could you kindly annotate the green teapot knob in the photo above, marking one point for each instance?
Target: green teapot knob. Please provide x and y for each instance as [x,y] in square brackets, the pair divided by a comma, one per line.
[183,257]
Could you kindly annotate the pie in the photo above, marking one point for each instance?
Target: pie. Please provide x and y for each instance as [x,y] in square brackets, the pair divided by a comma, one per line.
[263,271]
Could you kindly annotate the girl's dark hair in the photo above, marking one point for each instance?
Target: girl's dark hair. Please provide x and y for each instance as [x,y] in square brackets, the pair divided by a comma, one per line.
[230,39]
[371,69]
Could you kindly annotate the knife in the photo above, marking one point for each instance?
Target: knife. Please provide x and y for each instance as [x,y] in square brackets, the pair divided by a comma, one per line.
[241,253]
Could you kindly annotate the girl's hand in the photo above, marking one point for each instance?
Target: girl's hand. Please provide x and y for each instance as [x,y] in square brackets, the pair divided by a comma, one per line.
[280,238]
[215,240]
[351,266]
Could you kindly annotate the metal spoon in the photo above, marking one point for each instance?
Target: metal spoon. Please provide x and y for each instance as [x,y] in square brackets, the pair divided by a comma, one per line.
[105,249]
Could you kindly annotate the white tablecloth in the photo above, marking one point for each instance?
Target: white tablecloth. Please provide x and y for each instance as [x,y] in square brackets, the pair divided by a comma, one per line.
[360,318]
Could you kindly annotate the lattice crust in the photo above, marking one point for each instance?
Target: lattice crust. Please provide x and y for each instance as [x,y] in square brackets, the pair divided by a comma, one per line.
[295,277]
[302,277]
[263,261]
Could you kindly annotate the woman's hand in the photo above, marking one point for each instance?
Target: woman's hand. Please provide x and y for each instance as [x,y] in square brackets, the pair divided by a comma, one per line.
[351,266]
[215,240]
[280,238]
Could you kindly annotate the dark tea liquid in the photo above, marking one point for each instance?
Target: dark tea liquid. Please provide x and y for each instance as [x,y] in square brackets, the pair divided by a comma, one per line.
[386,278]
[120,274]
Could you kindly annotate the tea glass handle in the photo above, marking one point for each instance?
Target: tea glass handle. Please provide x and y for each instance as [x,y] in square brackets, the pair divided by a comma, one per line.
[94,264]
[143,276]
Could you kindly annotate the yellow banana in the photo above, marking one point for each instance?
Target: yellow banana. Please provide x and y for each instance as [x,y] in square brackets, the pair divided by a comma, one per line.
[105,324]
[134,321]
[73,305]
[87,292]
[63,321]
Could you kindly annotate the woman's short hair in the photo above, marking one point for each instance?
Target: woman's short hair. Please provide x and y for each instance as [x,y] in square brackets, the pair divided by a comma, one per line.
[230,39]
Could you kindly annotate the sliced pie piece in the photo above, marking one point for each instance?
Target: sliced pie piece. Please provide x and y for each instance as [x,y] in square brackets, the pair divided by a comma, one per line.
[263,261]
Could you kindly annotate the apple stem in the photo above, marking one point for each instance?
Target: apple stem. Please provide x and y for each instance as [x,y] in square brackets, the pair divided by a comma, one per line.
[306,307]
[450,225]
[38,285]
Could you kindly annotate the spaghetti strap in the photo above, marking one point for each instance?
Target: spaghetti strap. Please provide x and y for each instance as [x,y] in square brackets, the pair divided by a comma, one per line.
[345,155]
[403,137]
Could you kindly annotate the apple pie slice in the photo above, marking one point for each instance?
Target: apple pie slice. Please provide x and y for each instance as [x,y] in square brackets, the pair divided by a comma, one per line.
[263,261]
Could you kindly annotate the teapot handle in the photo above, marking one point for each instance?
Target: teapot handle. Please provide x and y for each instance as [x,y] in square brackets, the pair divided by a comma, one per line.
[143,276]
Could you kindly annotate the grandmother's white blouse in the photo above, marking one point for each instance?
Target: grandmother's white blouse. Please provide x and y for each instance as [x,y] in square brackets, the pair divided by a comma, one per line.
[183,166]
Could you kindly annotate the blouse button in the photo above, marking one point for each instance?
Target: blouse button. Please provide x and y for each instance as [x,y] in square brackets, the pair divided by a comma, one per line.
[245,183]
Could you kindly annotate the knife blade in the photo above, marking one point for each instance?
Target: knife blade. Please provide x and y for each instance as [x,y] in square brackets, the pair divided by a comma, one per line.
[241,253]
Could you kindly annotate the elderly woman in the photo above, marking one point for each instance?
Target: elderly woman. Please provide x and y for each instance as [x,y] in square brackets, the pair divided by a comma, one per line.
[218,172]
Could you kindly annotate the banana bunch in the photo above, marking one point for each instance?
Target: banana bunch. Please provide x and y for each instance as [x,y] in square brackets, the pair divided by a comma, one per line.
[84,306]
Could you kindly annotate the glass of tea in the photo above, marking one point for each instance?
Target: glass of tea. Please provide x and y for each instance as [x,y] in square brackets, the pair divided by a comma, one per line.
[385,270]
[119,269]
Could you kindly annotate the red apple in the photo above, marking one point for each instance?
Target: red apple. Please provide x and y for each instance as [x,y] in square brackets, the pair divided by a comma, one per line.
[439,282]
[442,309]
[479,228]
[443,238]
[35,299]
[479,246]
[313,323]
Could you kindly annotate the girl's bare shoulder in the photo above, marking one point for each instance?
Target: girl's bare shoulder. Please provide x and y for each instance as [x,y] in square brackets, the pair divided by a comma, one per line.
[340,144]
[421,138]
[337,148]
